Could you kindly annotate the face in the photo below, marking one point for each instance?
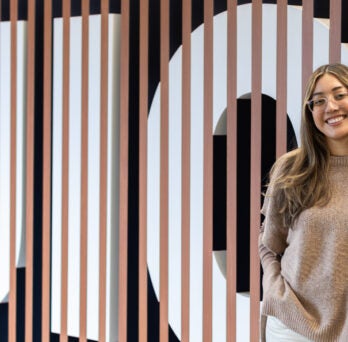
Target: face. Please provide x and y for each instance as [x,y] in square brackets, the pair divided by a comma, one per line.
[330,112]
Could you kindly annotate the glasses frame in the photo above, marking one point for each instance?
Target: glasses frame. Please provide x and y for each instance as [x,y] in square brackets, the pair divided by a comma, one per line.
[326,100]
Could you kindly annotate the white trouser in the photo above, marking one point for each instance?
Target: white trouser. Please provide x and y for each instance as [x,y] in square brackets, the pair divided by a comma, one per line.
[276,331]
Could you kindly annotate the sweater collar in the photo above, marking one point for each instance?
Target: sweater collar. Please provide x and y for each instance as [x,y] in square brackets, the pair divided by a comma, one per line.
[339,161]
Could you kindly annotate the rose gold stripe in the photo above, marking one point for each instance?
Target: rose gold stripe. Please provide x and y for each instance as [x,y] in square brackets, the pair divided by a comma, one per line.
[255,165]
[281,110]
[307,41]
[231,205]
[12,320]
[164,74]
[335,31]
[30,174]
[84,172]
[46,182]
[143,111]
[123,181]
[185,186]
[103,166]
[208,171]
[65,171]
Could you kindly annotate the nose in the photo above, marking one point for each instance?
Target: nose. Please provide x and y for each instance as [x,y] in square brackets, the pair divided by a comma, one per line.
[331,105]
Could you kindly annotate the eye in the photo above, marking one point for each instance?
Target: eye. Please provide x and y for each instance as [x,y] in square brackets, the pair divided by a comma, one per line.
[340,96]
[318,102]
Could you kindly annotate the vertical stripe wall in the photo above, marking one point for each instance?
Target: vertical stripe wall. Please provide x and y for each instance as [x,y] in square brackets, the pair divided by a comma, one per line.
[118,129]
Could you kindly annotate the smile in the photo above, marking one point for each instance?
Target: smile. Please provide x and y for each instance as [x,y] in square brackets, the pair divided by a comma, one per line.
[335,119]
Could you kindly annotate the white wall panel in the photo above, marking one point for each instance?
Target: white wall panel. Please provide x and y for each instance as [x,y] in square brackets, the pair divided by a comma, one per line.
[113,178]
[57,142]
[21,142]
[5,150]
[93,176]
[5,124]
[74,177]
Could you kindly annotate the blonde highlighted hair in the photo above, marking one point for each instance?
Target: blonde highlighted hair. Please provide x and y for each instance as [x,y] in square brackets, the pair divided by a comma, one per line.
[299,179]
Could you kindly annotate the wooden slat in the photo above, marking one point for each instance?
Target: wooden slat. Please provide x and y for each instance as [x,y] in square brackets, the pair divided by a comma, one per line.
[30,174]
[255,168]
[13,272]
[164,106]
[208,172]
[46,181]
[143,112]
[335,31]
[185,160]
[123,180]
[307,41]
[281,110]
[231,204]
[65,172]
[103,166]
[84,172]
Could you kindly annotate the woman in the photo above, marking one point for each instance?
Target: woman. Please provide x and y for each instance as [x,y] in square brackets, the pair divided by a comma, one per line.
[303,241]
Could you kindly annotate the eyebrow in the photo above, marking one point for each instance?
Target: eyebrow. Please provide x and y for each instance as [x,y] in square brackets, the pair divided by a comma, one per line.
[332,90]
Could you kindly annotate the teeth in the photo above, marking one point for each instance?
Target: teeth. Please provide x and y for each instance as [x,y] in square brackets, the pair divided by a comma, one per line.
[335,119]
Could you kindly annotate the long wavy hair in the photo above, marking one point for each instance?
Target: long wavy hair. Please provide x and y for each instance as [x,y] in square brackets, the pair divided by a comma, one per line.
[300,177]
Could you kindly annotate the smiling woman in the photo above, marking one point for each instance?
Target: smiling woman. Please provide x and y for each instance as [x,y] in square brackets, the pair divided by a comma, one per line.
[302,242]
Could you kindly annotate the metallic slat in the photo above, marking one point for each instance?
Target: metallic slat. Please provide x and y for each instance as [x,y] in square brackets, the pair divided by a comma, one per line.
[335,31]
[185,185]
[255,168]
[46,181]
[143,112]
[307,41]
[281,110]
[103,166]
[231,204]
[13,275]
[164,74]
[208,171]
[84,171]
[123,180]
[65,171]
[30,174]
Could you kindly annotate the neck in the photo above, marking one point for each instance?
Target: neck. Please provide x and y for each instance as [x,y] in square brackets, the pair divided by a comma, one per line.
[338,148]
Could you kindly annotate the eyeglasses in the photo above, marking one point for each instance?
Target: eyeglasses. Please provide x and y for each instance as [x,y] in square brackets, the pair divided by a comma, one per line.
[319,104]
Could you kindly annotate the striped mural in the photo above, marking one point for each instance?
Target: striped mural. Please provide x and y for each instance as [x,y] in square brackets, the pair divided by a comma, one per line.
[135,141]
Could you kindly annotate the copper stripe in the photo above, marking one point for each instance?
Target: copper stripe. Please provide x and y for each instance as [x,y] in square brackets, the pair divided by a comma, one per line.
[84,171]
[103,166]
[12,319]
[123,180]
[30,174]
[335,31]
[164,74]
[307,41]
[65,172]
[185,159]
[281,110]
[231,204]
[46,182]
[143,111]
[208,171]
[255,168]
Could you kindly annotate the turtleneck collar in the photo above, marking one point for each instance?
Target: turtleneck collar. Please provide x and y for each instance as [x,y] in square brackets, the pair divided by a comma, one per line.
[339,161]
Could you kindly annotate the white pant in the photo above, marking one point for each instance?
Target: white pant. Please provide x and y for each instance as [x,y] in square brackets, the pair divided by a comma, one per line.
[276,331]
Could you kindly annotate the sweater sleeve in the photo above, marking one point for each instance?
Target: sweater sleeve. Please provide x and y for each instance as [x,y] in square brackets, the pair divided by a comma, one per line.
[272,237]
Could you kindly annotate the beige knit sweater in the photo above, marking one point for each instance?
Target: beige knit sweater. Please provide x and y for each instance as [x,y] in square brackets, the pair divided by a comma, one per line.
[307,287]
